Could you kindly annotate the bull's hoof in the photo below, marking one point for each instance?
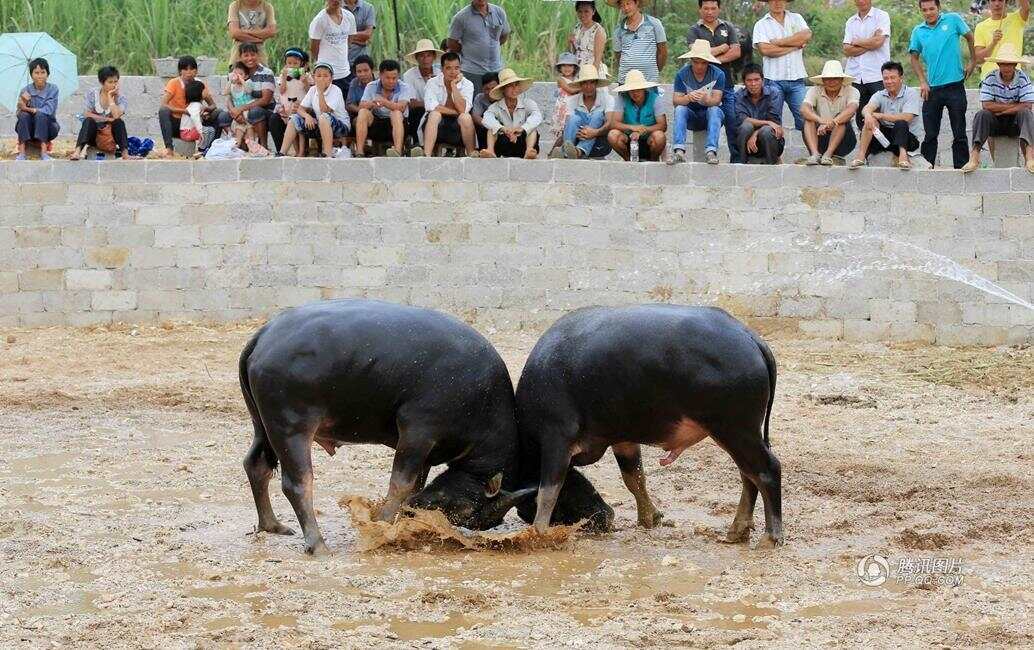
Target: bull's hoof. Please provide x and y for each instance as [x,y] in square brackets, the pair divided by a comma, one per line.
[319,549]
[277,529]
[738,534]
[770,541]
[651,520]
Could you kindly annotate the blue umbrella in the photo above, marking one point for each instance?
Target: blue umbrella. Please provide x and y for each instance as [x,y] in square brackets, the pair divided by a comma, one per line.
[16,50]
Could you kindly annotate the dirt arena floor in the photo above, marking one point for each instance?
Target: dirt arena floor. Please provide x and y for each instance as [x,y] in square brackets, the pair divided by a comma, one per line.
[126,520]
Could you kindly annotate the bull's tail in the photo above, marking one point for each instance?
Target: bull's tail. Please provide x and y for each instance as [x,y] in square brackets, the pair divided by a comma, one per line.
[770,363]
[260,429]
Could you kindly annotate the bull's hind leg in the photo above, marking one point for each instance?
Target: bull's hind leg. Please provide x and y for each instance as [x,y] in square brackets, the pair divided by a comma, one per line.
[259,467]
[630,462]
[295,452]
[744,520]
[409,468]
[762,468]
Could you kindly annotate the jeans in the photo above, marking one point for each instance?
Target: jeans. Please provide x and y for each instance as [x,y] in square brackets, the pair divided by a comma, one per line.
[793,95]
[170,125]
[865,93]
[731,125]
[769,146]
[597,147]
[42,127]
[695,117]
[952,97]
[88,134]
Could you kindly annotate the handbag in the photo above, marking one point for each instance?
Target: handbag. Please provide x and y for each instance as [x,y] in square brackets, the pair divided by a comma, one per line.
[105,140]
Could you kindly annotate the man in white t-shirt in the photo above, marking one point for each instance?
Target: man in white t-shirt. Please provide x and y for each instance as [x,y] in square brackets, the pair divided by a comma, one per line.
[780,36]
[328,41]
[322,114]
[867,48]
[447,100]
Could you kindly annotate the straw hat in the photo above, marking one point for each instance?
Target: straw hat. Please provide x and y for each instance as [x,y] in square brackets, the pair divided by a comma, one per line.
[635,80]
[567,58]
[506,78]
[1007,54]
[832,70]
[423,45]
[586,73]
[701,49]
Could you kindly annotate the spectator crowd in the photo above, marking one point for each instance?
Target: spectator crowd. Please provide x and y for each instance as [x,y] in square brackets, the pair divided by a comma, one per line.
[458,95]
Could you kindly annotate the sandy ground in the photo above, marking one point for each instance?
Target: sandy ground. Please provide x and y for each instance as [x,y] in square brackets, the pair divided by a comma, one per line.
[126,521]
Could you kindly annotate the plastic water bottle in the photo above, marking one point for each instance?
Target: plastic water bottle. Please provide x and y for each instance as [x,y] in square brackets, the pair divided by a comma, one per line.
[633,149]
[100,156]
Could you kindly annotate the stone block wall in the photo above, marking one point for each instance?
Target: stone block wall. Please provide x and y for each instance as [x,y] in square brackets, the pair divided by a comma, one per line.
[817,251]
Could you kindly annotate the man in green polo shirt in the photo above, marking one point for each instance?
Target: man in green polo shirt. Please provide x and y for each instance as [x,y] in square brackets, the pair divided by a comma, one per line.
[941,83]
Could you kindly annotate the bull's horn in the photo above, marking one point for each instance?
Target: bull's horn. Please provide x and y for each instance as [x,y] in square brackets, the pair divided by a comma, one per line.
[494,485]
[507,500]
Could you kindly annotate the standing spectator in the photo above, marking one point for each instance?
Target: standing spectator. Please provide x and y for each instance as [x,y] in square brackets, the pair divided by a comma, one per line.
[894,112]
[828,109]
[999,28]
[382,111]
[724,39]
[293,84]
[780,36]
[759,110]
[262,83]
[447,100]
[588,39]
[698,91]
[1006,97]
[37,110]
[588,117]
[635,116]
[941,83]
[425,67]
[329,32]
[365,16]
[250,21]
[103,110]
[478,32]
[512,121]
[639,41]
[482,101]
[174,104]
[867,48]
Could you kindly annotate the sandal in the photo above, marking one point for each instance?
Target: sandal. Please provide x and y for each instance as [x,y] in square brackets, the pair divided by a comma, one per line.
[857,163]
[903,164]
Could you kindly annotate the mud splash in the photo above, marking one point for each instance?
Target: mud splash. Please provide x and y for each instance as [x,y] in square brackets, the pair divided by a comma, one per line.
[420,528]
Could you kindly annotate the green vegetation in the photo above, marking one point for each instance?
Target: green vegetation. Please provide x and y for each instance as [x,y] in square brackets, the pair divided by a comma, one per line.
[128,33]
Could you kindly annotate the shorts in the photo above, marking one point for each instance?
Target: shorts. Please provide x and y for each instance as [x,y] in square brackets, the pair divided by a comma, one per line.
[339,127]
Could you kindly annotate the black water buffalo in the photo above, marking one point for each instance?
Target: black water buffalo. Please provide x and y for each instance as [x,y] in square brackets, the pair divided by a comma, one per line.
[360,371]
[660,375]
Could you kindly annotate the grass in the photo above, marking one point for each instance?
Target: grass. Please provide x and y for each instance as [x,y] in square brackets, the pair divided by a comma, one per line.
[128,33]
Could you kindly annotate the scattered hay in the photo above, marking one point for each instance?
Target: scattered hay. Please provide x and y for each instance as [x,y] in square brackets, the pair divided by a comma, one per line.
[418,528]
[928,541]
[838,399]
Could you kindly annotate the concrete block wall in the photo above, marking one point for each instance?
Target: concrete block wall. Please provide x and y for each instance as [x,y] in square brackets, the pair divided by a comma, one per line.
[144,94]
[515,243]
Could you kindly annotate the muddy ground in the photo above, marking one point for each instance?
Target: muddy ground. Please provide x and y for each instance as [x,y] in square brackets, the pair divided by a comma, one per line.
[125,517]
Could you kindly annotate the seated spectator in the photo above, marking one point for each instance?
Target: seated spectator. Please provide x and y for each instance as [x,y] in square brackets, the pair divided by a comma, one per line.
[382,111]
[566,70]
[37,109]
[103,110]
[238,90]
[295,81]
[588,117]
[635,116]
[1006,96]
[698,101]
[362,74]
[893,113]
[425,67]
[321,114]
[482,101]
[511,121]
[828,110]
[261,82]
[447,100]
[174,105]
[759,108]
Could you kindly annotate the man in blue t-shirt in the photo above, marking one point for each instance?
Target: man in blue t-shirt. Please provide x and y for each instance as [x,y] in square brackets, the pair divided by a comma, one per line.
[942,82]
[699,86]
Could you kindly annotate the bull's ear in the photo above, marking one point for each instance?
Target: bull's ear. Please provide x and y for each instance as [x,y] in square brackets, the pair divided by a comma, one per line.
[494,485]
